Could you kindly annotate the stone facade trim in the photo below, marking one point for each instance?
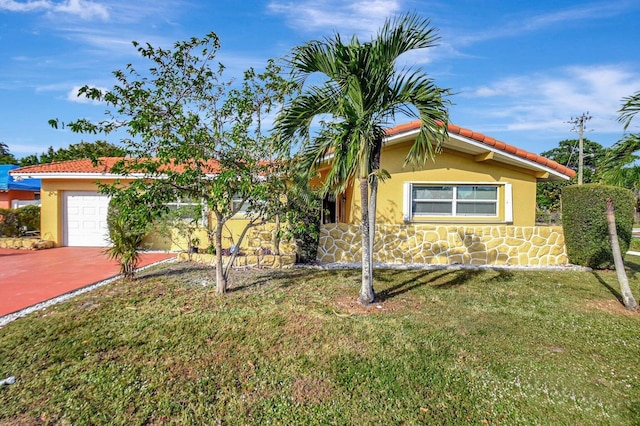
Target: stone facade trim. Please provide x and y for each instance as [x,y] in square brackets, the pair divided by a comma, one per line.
[447,245]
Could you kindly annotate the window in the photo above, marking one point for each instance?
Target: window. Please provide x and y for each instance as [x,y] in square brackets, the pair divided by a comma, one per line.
[239,203]
[454,200]
[188,210]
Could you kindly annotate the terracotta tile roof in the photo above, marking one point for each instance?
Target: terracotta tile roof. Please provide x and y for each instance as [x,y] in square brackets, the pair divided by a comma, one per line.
[499,145]
[84,166]
[106,163]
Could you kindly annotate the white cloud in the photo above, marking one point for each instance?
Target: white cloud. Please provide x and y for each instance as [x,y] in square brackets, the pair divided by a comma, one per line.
[82,8]
[16,6]
[362,17]
[547,101]
[517,25]
[74,96]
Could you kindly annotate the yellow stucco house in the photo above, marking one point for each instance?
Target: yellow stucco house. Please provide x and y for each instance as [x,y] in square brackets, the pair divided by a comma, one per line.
[475,204]
[74,213]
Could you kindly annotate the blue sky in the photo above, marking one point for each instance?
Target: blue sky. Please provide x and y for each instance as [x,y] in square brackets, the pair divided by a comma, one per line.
[520,70]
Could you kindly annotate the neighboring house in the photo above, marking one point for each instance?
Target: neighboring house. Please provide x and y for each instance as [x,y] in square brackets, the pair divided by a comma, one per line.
[17,193]
[475,203]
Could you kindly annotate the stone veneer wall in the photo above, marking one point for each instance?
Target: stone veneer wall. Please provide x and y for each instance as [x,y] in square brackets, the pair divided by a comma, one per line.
[25,243]
[249,261]
[448,245]
[261,237]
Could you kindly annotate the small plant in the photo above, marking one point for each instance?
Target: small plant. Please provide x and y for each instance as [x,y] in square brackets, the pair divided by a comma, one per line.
[193,244]
[126,232]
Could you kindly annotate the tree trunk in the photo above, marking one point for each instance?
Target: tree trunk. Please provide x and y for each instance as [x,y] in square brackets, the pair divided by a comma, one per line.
[221,279]
[276,236]
[625,290]
[373,197]
[235,253]
[373,201]
[366,291]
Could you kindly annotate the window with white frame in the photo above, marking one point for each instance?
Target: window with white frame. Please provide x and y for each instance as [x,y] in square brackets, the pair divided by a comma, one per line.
[238,202]
[455,200]
[188,210]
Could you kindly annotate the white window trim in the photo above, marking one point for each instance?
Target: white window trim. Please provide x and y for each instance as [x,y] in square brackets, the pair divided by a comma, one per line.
[506,203]
[205,214]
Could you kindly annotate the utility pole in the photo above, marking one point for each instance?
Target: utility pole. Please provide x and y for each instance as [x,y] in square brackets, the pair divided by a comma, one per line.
[578,126]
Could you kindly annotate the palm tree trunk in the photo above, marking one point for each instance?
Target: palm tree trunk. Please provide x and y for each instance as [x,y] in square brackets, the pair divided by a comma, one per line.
[366,290]
[373,201]
[373,198]
[627,296]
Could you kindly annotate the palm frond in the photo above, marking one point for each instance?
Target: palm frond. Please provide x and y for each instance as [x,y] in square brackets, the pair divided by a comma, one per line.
[404,33]
[629,109]
[362,92]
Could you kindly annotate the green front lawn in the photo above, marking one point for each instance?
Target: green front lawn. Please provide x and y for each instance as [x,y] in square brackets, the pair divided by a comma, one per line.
[293,347]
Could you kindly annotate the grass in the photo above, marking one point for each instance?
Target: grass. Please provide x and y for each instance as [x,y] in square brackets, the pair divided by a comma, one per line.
[293,347]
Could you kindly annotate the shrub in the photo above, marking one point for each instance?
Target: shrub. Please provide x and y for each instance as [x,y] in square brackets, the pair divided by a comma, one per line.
[13,221]
[29,217]
[303,225]
[585,223]
[9,223]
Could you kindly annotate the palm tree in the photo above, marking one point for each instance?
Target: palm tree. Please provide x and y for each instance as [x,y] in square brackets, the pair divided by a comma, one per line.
[620,165]
[362,92]
[629,109]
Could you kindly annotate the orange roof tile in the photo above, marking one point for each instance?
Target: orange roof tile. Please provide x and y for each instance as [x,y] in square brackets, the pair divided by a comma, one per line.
[105,164]
[479,137]
[85,165]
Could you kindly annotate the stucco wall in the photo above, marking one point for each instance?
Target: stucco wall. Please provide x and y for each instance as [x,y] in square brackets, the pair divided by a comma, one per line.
[448,167]
[260,237]
[52,211]
[447,244]
[7,196]
[51,204]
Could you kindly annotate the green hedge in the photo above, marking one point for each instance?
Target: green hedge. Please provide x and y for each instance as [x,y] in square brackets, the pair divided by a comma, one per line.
[584,222]
[12,221]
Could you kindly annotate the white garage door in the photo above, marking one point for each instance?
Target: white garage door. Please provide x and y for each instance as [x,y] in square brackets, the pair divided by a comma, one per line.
[85,219]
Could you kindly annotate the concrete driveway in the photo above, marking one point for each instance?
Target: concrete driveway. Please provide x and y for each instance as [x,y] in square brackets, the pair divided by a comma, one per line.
[29,277]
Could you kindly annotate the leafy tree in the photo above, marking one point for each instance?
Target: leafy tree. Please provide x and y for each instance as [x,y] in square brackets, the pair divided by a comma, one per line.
[566,153]
[92,150]
[361,92]
[5,156]
[194,135]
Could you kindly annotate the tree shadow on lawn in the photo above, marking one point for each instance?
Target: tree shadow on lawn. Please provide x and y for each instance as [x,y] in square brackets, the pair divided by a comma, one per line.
[240,279]
[244,279]
[446,279]
[606,285]
[173,270]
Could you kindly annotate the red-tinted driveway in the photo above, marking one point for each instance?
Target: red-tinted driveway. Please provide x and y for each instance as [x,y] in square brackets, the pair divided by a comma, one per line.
[30,277]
